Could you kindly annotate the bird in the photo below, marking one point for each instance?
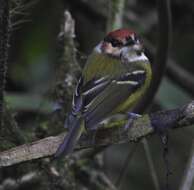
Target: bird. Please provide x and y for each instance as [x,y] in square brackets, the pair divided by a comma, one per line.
[113,81]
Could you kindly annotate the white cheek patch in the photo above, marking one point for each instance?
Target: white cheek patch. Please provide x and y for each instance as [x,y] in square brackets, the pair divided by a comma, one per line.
[115,52]
[131,56]
[141,57]
[133,37]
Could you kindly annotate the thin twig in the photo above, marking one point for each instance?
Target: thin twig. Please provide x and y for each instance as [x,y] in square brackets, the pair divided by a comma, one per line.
[107,181]
[188,177]
[124,168]
[23,182]
[151,164]
[114,133]
[93,175]
[115,14]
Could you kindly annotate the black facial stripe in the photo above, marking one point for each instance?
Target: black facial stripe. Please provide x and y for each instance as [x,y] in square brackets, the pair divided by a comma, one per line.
[136,37]
[108,39]
[129,41]
[114,42]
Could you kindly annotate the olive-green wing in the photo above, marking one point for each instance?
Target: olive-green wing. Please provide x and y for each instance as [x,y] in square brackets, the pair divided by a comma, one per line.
[114,92]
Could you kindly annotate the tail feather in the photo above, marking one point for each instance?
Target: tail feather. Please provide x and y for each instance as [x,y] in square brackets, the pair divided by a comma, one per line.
[69,121]
[70,139]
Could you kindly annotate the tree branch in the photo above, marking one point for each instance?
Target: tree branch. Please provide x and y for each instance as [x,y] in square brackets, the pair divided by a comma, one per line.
[67,70]
[115,14]
[114,133]
[67,66]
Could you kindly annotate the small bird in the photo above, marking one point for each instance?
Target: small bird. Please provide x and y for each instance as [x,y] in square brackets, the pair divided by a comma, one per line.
[114,79]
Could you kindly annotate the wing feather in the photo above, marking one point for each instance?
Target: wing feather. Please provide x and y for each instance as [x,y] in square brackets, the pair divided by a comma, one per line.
[101,96]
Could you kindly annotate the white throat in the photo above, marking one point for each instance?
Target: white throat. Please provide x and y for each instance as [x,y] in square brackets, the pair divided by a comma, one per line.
[135,58]
[130,55]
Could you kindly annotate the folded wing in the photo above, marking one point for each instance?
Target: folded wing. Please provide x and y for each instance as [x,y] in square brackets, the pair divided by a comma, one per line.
[98,98]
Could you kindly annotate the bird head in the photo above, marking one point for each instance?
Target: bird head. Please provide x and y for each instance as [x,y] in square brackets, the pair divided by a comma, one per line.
[122,44]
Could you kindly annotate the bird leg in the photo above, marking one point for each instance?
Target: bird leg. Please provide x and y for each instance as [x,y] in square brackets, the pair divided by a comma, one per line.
[131,117]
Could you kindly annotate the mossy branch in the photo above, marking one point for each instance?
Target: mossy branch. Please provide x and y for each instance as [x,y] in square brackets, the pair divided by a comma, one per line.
[114,133]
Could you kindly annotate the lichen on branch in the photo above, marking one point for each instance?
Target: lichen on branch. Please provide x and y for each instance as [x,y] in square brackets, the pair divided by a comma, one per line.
[113,133]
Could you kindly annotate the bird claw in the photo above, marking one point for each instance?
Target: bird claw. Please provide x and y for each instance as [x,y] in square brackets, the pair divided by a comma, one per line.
[131,118]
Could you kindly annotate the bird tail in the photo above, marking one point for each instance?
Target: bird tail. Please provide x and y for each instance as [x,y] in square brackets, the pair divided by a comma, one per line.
[75,130]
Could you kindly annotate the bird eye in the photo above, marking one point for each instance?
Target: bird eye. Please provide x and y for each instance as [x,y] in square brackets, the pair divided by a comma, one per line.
[129,41]
[115,43]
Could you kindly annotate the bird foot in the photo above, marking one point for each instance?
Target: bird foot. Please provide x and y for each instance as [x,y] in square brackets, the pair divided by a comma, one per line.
[131,118]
